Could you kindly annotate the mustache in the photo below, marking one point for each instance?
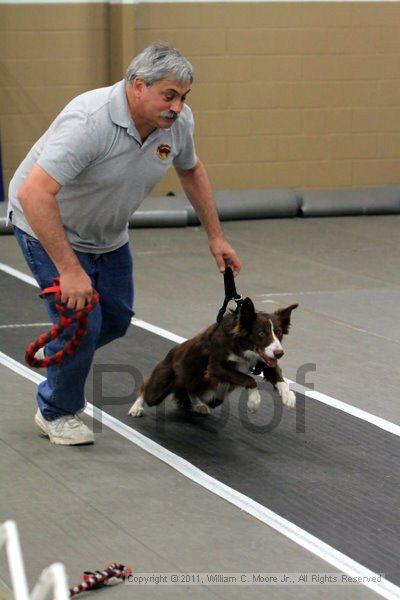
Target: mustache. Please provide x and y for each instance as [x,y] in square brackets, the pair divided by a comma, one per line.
[169,114]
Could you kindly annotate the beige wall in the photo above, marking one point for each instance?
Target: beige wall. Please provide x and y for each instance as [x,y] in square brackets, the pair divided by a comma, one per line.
[302,95]
[48,54]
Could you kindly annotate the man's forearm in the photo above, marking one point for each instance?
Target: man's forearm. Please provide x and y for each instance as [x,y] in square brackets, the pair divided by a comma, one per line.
[43,216]
[37,196]
[197,187]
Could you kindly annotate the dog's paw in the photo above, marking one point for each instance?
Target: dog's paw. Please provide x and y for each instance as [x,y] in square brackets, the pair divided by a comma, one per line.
[136,411]
[201,409]
[288,397]
[254,401]
[137,408]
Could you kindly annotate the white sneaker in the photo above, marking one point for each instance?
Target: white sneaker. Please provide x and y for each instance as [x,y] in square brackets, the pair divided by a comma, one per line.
[67,431]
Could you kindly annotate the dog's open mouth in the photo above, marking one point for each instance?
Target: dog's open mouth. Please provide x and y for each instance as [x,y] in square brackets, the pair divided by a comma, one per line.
[271,362]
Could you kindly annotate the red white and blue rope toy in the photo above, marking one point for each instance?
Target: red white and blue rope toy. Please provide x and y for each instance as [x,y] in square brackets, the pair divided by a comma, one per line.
[81,319]
[93,580]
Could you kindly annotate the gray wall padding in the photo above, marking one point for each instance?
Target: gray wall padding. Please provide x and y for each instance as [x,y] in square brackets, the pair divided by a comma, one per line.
[231,205]
[176,211]
[356,201]
[3,211]
[166,211]
[257,204]
[3,229]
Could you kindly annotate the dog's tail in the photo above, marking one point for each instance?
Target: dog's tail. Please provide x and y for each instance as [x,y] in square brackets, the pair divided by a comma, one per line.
[160,383]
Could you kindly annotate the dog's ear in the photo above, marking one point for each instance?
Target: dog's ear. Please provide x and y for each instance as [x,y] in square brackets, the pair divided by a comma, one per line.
[284,315]
[247,314]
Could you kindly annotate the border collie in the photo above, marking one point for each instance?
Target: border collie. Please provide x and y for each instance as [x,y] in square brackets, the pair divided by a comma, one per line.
[202,371]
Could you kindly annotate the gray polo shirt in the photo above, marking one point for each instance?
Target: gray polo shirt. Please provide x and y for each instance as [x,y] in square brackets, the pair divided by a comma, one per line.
[94,151]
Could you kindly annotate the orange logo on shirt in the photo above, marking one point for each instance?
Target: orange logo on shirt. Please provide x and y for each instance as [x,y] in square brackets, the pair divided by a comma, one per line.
[163,151]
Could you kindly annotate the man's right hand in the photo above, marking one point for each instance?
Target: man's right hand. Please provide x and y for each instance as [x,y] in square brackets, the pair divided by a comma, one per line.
[76,287]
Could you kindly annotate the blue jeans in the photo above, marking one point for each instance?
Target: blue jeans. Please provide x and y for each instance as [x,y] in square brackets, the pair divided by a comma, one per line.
[62,393]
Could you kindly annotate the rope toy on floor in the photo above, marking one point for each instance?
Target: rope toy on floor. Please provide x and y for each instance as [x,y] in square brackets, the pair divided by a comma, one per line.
[93,580]
[64,322]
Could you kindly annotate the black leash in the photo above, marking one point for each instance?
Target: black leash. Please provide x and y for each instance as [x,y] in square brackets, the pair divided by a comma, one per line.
[230,293]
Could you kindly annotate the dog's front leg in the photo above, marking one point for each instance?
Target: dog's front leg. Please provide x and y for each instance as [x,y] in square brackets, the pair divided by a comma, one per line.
[198,406]
[288,397]
[236,378]
[274,375]
[253,400]
[137,408]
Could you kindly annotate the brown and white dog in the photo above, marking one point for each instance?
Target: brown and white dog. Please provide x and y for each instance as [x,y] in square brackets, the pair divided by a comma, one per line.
[202,371]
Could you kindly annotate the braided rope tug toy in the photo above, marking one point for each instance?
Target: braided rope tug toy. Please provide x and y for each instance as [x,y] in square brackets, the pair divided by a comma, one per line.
[93,580]
[81,318]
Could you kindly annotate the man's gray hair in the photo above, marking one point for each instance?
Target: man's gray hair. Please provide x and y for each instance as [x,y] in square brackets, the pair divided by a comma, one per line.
[160,61]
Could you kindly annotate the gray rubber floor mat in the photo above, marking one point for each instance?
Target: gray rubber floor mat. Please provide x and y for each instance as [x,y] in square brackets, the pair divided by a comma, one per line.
[330,473]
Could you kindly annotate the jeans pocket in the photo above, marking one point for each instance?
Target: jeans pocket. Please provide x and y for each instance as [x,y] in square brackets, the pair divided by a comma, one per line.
[37,259]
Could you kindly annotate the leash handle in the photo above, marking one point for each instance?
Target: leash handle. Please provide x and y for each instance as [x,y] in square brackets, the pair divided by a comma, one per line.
[64,322]
[230,293]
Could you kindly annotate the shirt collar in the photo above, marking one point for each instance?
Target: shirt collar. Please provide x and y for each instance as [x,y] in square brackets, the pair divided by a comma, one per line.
[121,115]
[119,108]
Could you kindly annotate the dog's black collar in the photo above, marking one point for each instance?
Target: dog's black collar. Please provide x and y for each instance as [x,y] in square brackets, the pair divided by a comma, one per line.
[230,293]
